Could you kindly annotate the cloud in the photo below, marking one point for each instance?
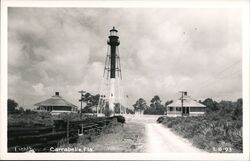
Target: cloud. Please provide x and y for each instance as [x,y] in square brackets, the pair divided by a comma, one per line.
[162,51]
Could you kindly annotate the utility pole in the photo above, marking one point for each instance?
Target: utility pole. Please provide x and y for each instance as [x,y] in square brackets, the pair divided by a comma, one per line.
[82,94]
[182,92]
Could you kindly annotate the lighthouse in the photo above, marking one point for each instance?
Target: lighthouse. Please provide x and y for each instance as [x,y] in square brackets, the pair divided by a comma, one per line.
[113,42]
[110,94]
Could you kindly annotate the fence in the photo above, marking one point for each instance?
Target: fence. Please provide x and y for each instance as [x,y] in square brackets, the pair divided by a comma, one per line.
[41,139]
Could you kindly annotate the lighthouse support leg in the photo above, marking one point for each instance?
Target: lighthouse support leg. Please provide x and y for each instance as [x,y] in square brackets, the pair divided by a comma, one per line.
[112,96]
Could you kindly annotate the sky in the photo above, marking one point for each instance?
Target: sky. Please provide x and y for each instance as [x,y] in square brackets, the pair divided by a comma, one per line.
[163,51]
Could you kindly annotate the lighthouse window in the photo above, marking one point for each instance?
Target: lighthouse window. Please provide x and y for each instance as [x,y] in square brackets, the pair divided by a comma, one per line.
[113,33]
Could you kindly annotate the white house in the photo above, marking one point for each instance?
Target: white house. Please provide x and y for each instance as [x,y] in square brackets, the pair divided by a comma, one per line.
[185,106]
[56,105]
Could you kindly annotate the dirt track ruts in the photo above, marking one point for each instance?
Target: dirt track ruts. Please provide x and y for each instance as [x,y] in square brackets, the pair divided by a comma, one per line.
[160,139]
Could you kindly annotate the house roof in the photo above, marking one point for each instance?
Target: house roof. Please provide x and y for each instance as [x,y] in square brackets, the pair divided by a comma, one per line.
[187,102]
[55,101]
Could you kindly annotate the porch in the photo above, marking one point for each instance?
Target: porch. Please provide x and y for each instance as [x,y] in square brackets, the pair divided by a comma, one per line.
[178,111]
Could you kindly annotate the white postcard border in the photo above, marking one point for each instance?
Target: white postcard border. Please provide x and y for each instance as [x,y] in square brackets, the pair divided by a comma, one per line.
[241,4]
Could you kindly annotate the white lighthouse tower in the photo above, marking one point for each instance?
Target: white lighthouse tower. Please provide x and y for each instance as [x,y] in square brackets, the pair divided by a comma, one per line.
[110,93]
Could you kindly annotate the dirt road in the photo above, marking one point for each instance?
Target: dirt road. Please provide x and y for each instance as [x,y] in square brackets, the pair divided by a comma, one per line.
[160,139]
[138,135]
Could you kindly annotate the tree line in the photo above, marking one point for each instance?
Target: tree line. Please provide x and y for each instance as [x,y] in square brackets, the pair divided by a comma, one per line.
[223,107]
[156,107]
[13,107]
[91,102]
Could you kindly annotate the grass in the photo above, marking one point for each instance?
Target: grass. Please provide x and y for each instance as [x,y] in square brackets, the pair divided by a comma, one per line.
[30,119]
[116,137]
[33,120]
[42,118]
[212,135]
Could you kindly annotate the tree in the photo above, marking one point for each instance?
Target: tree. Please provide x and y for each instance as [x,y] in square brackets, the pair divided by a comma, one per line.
[94,100]
[168,103]
[210,105]
[156,108]
[86,98]
[239,103]
[21,110]
[12,105]
[237,113]
[129,111]
[140,105]
[155,101]
[226,108]
[90,100]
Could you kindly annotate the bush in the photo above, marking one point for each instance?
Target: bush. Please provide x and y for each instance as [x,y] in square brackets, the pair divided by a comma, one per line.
[113,127]
[207,132]
[160,119]
[30,119]
[155,111]
[119,118]
[12,105]
[71,116]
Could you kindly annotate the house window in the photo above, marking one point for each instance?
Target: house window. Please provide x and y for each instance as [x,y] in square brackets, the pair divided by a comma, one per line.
[171,108]
[197,109]
[178,108]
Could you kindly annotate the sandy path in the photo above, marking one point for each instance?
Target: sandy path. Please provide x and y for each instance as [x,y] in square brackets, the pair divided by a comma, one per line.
[161,140]
[142,134]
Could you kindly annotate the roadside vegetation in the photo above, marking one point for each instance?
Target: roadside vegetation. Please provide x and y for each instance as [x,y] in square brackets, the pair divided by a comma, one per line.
[53,128]
[90,142]
[116,137]
[219,130]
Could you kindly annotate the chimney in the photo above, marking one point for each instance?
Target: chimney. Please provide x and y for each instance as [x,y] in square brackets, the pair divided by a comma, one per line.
[57,93]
